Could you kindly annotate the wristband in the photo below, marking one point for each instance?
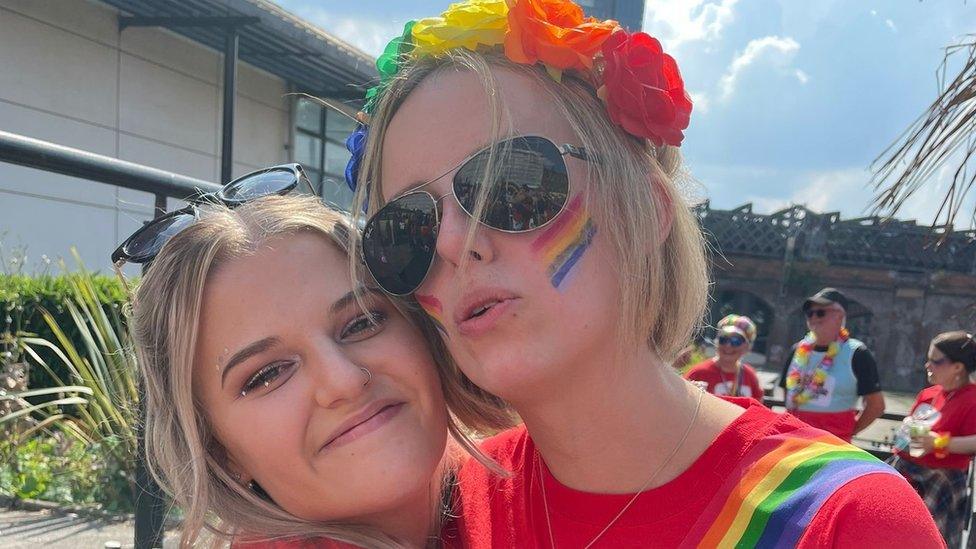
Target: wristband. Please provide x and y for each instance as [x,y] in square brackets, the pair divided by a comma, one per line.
[941,444]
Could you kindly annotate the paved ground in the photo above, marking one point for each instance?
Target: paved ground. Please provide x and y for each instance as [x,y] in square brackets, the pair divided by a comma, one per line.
[33,529]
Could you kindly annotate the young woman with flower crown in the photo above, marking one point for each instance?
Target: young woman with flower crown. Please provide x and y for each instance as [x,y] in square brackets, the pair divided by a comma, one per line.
[584,277]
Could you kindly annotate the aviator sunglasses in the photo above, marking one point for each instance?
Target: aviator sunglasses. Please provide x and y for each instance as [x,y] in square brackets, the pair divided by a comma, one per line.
[528,190]
[143,245]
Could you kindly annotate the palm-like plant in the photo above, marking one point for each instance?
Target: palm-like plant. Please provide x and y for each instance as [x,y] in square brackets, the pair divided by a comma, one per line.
[98,403]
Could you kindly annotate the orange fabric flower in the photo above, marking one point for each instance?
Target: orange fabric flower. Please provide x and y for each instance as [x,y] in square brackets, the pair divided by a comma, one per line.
[554,32]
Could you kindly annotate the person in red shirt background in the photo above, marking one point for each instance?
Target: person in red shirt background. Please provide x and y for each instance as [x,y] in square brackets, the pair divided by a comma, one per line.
[940,474]
[725,373]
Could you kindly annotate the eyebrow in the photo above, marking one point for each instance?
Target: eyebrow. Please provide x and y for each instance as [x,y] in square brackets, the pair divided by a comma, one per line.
[263,345]
[350,297]
[255,348]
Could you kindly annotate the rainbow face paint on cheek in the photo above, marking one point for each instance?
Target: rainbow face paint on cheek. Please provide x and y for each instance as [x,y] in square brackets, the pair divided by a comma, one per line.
[562,245]
[432,306]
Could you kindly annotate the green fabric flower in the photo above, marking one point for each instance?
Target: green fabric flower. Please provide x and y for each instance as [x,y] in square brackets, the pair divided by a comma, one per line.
[389,62]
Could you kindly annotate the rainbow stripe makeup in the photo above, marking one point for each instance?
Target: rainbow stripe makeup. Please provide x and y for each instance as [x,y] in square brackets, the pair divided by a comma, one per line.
[777,489]
[432,306]
[563,244]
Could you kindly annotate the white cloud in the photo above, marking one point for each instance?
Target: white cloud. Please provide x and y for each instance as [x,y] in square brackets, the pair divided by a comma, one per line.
[774,49]
[676,22]
[874,12]
[802,76]
[834,190]
[700,101]
[891,25]
[366,33]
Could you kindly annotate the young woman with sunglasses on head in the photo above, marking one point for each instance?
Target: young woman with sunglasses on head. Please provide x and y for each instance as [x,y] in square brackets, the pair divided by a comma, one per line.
[278,405]
[583,279]
[725,373]
[940,475]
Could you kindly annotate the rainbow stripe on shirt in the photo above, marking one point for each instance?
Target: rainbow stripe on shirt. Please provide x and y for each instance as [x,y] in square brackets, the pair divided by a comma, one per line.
[775,491]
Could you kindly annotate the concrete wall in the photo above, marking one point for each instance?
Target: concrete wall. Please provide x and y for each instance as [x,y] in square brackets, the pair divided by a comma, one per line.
[67,75]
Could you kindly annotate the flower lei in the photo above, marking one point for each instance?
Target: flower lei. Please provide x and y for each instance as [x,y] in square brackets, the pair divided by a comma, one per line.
[803,386]
[639,83]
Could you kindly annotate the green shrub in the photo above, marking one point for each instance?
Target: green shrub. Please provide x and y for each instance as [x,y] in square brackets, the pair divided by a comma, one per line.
[65,470]
[22,298]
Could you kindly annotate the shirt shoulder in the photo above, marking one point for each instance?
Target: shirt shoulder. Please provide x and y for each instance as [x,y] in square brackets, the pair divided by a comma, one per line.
[700,370]
[875,510]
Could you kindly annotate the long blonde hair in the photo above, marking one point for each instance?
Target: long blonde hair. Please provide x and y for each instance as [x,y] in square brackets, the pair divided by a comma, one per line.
[664,284]
[182,451]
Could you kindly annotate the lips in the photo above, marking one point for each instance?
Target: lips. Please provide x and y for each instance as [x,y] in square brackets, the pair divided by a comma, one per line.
[362,423]
[480,310]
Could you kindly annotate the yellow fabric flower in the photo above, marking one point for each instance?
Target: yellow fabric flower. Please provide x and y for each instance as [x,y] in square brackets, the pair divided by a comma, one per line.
[465,24]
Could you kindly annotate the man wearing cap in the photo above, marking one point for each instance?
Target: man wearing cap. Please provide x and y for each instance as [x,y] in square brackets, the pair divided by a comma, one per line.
[725,373]
[828,371]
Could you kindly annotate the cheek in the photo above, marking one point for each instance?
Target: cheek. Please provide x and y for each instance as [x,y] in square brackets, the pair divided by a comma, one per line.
[562,245]
[434,309]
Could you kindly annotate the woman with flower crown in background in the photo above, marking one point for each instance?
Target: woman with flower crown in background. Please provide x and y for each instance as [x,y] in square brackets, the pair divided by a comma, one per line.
[583,277]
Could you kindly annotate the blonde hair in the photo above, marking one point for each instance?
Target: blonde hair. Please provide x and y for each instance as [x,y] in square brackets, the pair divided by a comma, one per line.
[182,452]
[664,284]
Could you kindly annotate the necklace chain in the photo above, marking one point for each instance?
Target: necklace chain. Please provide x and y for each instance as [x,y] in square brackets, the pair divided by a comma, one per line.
[681,442]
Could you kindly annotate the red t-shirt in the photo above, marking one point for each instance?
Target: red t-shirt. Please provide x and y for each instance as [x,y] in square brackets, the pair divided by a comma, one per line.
[767,480]
[722,384]
[958,419]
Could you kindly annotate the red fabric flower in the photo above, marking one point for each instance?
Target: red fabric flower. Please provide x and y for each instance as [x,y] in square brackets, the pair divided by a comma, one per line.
[554,32]
[643,89]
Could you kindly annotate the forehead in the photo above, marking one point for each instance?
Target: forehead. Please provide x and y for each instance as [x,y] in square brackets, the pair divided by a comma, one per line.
[447,118]
[282,277]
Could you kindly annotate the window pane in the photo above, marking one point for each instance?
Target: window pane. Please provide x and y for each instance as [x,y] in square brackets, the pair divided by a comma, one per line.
[309,116]
[336,158]
[336,192]
[307,150]
[338,126]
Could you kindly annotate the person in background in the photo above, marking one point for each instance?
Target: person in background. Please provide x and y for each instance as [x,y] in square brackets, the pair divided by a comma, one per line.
[939,475]
[725,373]
[829,370]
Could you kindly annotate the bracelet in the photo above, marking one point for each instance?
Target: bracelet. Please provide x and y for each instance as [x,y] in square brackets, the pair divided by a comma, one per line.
[941,444]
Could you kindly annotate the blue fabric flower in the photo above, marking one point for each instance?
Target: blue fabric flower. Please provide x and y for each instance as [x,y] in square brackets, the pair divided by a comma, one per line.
[355,144]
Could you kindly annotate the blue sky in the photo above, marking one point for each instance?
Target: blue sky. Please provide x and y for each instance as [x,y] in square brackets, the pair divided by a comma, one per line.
[793,99]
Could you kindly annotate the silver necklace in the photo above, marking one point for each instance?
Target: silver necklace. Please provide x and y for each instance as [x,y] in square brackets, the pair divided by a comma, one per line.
[545,499]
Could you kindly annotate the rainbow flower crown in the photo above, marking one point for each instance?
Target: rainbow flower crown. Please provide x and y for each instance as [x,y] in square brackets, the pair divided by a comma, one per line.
[639,83]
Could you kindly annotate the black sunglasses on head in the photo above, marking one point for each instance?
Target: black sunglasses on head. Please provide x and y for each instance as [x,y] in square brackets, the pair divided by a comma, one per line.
[143,245]
[530,189]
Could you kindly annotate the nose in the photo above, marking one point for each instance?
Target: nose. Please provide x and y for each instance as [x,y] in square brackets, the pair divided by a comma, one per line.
[453,233]
[338,380]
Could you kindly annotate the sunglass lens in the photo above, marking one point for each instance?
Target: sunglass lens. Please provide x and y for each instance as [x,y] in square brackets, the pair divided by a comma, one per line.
[146,243]
[398,243]
[274,181]
[528,181]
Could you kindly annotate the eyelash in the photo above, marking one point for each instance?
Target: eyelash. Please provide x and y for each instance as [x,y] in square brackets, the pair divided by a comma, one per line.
[265,377]
[271,372]
[367,324]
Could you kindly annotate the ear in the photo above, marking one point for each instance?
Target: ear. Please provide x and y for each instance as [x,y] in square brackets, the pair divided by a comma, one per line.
[664,202]
[231,465]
